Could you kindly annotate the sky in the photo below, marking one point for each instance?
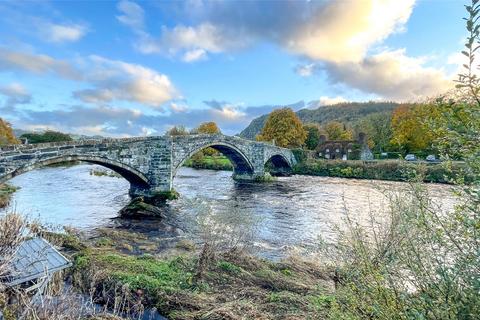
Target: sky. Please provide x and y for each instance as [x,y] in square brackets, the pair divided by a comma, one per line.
[135,68]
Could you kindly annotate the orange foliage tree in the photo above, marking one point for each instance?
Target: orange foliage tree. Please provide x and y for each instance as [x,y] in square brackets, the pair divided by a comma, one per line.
[410,126]
[207,128]
[6,133]
[285,128]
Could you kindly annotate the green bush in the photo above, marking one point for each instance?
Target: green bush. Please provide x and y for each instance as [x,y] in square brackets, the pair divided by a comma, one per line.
[383,170]
[201,161]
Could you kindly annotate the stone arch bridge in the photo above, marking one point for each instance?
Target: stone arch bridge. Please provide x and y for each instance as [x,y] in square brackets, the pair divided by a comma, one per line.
[148,163]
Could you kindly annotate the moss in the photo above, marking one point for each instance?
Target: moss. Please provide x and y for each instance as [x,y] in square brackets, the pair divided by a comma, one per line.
[165,195]
[229,267]
[145,207]
[265,178]
[146,272]
[67,240]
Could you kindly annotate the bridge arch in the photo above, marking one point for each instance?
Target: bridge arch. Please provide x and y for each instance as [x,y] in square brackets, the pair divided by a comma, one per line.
[241,163]
[136,178]
[278,164]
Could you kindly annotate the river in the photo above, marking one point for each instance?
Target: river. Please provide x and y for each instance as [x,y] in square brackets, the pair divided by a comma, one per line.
[290,214]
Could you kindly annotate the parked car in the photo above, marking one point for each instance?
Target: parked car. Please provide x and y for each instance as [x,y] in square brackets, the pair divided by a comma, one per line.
[432,158]
[410,157]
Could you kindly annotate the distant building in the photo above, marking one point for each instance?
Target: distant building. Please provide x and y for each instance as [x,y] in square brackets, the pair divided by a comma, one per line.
[344,149]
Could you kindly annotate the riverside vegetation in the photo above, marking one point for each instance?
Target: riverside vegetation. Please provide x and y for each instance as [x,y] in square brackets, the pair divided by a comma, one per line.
[6,192]
[385,170]
[391,170]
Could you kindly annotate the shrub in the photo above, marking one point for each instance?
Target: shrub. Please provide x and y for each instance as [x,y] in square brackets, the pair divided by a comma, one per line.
[383,170]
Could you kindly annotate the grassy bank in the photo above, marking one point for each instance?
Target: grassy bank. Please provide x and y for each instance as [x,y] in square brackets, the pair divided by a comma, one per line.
[232,285]
[209,162]
[384,170]
[6,192]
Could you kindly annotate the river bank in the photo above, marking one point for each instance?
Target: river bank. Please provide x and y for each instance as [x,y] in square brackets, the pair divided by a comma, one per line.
[384,170]
[388,170]
[6,192]
[192,282]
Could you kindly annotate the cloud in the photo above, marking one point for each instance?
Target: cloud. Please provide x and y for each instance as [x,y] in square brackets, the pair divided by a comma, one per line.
[306,70]
[191,43]
[194,55]
[391,74]
[229,113]
[335,31]
[109,80]
[326,101]
[63,33]
[225,111]
[41,20]
[104,120]
[15,94]
[132,14]
[37,64]
[117,80]
[116,121]
[343,31]
[178,107]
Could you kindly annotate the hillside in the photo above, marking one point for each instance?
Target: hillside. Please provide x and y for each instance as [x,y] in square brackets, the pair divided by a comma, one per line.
[18,133]
[348,113]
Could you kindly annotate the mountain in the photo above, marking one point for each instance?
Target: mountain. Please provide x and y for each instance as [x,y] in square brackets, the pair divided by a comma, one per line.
[347,113]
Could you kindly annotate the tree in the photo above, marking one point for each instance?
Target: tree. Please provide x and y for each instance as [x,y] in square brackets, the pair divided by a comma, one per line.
[6,133]
[313,135]
[410,126]
[207,128]
[47,136]
[177,131]
[285,128]
[338,131]
[378,128]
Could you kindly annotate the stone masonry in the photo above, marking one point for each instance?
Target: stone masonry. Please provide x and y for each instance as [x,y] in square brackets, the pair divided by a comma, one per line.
[148,163]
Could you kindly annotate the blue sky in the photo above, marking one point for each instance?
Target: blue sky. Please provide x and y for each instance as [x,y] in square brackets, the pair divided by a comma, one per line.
[122,68]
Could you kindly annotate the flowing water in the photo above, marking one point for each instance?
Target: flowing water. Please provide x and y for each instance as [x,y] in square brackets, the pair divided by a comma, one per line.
[290,213]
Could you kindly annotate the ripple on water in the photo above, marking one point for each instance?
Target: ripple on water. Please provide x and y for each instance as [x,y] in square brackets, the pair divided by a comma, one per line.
[293,211]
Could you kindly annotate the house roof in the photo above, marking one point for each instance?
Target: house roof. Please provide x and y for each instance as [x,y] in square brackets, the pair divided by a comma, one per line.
[34,259]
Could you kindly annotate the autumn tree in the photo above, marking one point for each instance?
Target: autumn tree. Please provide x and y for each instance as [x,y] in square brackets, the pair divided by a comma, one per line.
[6,133]
[285,128]
[410,127]
[313,135]
[177,131]
[207,128]
[337,131]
